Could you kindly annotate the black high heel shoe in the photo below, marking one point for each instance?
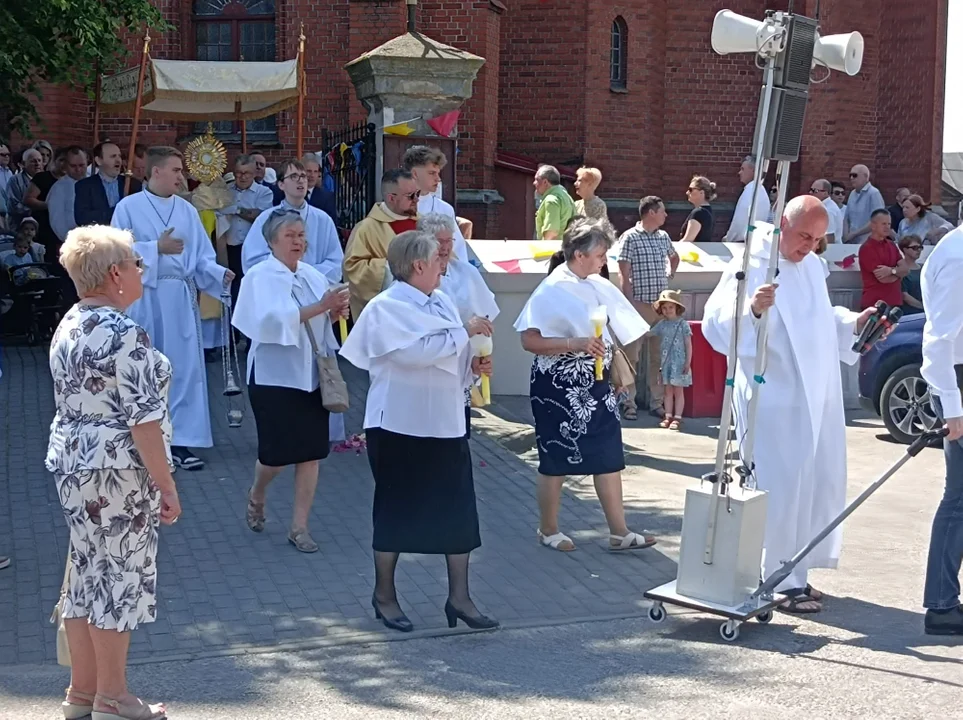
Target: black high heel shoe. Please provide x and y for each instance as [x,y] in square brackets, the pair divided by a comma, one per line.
[400,623]
[481,622]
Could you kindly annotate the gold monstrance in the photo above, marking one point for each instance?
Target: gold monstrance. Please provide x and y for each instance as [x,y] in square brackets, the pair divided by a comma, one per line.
[206,157]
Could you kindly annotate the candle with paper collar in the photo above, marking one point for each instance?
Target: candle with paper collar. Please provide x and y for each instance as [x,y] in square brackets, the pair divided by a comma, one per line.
[483,347]
[343,329]
[599,317]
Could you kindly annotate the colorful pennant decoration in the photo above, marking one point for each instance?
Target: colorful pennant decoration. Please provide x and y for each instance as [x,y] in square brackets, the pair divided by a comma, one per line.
[444,124]
[402,129]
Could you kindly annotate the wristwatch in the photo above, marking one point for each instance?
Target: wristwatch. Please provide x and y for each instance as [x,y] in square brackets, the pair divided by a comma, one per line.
[892,271]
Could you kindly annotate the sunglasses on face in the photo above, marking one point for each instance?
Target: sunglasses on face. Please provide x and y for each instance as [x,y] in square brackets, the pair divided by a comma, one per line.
[913,247]
[839,192]
[410,196]
[280,212]
[854,175]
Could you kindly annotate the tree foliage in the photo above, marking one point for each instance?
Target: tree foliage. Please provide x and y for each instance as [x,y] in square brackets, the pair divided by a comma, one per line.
[61,42]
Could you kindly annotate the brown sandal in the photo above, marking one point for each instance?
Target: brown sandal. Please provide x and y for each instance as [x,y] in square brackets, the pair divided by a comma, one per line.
[255,515]
[303,541]
[666,421]
[676,424]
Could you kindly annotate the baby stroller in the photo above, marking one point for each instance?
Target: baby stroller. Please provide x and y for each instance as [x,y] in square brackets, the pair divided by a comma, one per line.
[31,296]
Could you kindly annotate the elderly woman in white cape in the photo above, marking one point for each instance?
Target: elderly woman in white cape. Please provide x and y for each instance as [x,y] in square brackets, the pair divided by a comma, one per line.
[416,350]
[460,280]
[578,430]
[281,304]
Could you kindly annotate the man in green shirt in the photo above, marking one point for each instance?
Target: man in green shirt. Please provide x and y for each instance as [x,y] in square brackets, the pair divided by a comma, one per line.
[557,206]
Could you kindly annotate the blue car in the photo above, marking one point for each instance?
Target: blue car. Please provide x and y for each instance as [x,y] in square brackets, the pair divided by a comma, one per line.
[890,383]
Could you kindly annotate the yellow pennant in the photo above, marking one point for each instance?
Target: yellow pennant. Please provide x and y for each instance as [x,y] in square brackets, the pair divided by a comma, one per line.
[402,129]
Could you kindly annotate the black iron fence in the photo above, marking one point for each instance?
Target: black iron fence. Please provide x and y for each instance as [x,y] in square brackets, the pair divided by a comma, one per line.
[349,167]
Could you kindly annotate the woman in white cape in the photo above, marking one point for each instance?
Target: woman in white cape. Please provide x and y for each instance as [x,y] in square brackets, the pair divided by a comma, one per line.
[416,350]
[460,280]
[577,424]
[281,304]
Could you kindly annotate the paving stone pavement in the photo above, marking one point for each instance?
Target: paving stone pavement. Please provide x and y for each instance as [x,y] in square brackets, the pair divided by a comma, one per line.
[224,589]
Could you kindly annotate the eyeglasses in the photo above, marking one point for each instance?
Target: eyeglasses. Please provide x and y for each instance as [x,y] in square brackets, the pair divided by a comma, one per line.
[4,154]
[813,191]
[854,175]
[137,260]
[295,176]
[839,192]
[410,196]
[688,190]
[913,247]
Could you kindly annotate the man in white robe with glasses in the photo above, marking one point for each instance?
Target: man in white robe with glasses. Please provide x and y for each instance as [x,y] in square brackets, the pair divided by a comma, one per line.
[179,261]
[800,440]
[324,250]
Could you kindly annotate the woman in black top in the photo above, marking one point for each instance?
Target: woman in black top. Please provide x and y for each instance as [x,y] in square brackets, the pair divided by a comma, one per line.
[698,226]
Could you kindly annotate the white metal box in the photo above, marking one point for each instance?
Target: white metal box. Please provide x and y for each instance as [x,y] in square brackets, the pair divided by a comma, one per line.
[737,560]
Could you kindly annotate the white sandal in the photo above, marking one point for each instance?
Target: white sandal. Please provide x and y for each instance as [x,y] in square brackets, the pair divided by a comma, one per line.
[554,541]
[632,541]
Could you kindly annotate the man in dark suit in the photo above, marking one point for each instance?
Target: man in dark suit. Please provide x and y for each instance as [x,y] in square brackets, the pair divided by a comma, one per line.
[317,195]
[95,197]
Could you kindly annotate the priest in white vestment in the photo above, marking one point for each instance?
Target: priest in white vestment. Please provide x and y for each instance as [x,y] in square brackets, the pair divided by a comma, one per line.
[800,442]
[425,165]
[739,227]
[324,250]
[179,261]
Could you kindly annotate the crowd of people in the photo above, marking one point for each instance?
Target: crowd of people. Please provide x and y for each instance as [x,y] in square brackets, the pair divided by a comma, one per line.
[132,404]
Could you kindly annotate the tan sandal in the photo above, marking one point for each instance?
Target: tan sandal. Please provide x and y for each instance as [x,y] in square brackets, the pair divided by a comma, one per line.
[303,541]
[255,515]
[77,710]
[142,711]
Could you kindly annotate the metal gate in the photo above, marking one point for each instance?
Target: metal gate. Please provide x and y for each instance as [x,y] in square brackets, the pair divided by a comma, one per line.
[349,172]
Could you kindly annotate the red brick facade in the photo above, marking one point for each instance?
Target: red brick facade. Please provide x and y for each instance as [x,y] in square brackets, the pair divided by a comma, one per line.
[544,91]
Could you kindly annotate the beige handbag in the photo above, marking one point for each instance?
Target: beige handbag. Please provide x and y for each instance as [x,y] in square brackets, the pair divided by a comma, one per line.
[57,618]
[621,372]
[334,390]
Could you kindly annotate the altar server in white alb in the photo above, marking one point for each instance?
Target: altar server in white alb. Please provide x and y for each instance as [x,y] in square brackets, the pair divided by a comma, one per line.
[179,261]
[740,216]
[324,251]
[800,445]
[425,165]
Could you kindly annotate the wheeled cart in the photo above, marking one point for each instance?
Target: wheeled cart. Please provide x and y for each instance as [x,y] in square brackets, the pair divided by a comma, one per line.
[761,603]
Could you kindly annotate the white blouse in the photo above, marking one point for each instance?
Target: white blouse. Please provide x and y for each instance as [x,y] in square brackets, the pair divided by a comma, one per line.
[268,312]
[417,354]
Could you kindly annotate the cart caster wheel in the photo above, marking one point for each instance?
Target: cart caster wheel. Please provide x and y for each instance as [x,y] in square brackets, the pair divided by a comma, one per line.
[729,630]
[764,618]
[657,613]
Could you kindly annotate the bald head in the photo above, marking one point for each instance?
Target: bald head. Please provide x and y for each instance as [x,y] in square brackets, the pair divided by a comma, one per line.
[804,222]
[859,176]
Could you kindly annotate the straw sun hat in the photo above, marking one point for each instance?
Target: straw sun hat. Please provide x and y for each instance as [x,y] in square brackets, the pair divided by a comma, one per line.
[669,296]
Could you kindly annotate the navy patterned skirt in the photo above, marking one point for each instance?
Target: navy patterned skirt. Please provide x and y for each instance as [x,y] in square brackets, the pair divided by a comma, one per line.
[578,429]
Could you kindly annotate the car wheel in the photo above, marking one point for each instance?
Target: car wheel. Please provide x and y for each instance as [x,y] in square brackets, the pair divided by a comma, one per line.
[905,405]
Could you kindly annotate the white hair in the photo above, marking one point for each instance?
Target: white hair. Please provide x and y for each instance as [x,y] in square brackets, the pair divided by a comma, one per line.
[434,223]
[90,251]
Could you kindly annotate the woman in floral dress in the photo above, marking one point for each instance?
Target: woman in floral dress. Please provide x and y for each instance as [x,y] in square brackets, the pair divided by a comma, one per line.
[577,425]
[109,453]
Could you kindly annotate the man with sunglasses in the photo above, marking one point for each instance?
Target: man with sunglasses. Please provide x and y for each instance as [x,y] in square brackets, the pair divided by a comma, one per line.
[864,200]
[323,251]
[822,191]
[367,249]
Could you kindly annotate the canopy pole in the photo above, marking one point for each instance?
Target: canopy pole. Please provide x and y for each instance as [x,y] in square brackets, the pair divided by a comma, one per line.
[96,108]
[237,111]
[301,89]
[137,104]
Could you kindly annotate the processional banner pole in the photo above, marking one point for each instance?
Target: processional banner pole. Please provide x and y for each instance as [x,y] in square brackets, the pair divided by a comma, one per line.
[301,91]
[140,98]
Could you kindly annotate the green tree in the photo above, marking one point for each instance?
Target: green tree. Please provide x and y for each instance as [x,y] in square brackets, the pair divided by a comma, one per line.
[61,42]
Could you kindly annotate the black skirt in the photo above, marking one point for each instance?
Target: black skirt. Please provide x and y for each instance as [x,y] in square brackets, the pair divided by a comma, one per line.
[292,425]
[424,498]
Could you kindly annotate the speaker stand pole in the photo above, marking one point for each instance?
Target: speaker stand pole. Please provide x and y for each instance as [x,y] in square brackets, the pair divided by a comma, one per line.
[722,447]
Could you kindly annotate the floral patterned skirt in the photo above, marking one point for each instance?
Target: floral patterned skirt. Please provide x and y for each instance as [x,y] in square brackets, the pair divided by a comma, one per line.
[113,517]
[578,430]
